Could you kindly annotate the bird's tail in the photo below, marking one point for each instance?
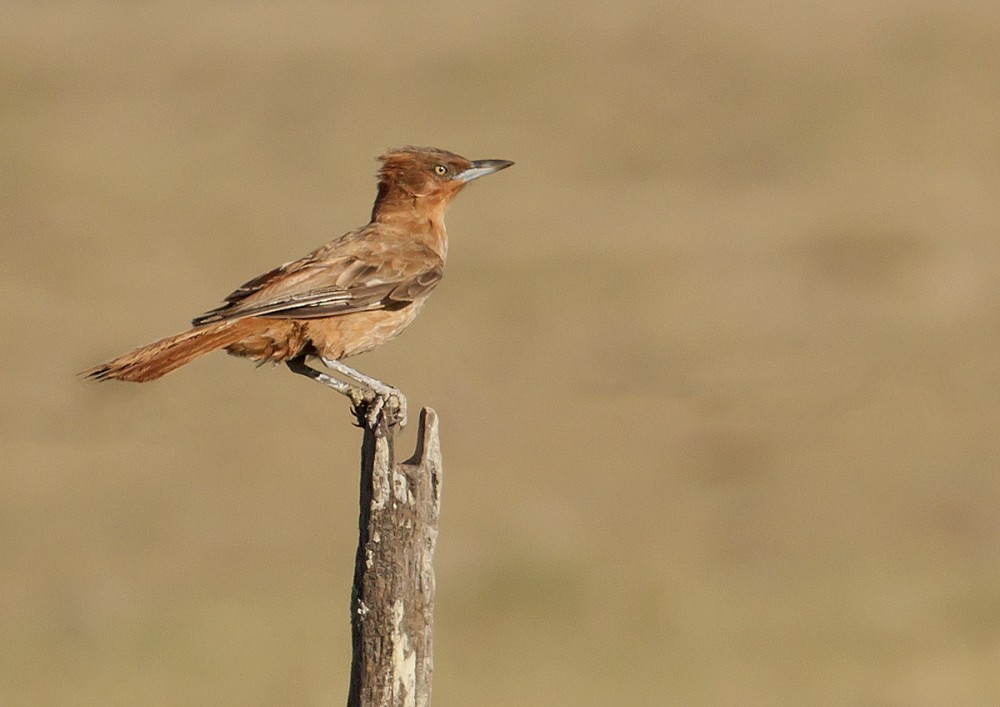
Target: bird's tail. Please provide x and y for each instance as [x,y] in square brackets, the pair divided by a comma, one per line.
[154,360]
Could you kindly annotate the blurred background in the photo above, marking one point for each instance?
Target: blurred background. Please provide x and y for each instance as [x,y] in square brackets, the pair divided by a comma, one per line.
[716,362]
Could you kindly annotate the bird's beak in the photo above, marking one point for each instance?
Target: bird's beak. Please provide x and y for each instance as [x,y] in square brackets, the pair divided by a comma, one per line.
[480,168]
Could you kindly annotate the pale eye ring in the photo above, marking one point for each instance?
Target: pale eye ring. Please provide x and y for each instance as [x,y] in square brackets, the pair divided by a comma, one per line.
[440,170]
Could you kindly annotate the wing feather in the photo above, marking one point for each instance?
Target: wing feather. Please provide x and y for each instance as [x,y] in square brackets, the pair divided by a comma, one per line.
[363,271]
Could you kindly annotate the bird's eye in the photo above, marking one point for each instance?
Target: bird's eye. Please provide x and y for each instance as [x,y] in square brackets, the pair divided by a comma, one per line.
[440,170]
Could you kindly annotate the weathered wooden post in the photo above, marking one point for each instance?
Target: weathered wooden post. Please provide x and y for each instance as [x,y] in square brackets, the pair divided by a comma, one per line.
[392,600]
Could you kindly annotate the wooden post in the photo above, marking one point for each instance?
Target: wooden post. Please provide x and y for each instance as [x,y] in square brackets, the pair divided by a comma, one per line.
[392,600]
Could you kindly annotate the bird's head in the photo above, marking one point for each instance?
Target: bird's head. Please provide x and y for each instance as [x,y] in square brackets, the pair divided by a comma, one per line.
[426,178]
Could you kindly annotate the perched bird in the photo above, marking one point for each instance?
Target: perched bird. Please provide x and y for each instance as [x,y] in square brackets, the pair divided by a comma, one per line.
[344,298]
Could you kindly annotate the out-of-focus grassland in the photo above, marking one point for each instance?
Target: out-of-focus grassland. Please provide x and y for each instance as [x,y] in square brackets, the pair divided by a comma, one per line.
[717,361]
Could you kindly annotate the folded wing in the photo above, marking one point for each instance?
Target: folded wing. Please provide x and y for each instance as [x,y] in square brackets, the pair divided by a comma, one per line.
[372,274]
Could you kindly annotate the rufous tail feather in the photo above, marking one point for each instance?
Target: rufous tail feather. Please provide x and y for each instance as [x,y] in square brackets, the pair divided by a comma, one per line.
[154,360]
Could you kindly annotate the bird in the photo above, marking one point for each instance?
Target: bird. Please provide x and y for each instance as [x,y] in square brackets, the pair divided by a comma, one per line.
[345,298]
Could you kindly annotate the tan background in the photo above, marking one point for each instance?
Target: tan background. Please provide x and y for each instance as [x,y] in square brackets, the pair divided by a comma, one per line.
[717,361]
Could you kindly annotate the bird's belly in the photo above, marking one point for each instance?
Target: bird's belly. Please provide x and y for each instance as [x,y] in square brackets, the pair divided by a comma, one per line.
[277,340]
[340,337]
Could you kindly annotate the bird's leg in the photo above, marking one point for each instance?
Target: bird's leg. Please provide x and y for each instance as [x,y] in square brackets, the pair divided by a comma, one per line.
[373,392]
[298,365]
[388,395]
[366,404]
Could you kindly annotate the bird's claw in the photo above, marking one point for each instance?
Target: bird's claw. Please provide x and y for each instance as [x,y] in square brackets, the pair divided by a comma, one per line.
[397,405]
[369,407]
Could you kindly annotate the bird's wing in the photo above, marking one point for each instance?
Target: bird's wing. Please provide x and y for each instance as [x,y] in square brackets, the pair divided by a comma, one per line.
[354,274]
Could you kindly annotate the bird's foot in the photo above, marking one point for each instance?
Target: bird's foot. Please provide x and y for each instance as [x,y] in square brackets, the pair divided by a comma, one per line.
[369,406]
[378,397]
[370,398]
